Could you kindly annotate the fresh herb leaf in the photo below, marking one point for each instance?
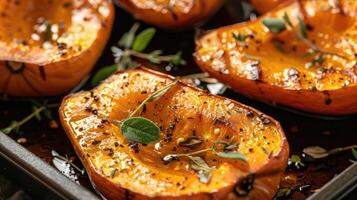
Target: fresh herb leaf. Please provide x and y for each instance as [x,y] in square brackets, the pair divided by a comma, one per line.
[191,142]
[354,153]
[316,152]
[283,192]
[275,25]
[240,37]
[128,38]
[295,161]
[153,97]
[139,129]
[204,171]
[143,39]
[310,53]
[287,20]
[232,155]
[302,26]
[318,60]
[103,73]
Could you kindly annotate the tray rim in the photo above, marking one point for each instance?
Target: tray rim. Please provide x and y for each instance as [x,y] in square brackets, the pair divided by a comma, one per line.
[41,171]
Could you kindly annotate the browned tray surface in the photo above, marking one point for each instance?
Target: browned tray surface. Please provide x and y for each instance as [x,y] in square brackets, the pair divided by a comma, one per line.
[301,130]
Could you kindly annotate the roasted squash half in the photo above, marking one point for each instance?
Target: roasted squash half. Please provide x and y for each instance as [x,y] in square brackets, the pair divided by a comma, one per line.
[263,6]
[171,13]
[314,73]
[121,169]
[47,47]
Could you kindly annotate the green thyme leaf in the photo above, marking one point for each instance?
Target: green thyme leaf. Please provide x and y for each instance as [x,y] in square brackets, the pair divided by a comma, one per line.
[128,38]
[159,93]
[287,19]
[274,25]
[143,39]
[316,152]
[204,171]
[191,142]
[232,155]
[316,61]
[302,27]
[354,153]
[283,192]
[153,97]
[103,74]
[37,114]
[141,130]
[240,37]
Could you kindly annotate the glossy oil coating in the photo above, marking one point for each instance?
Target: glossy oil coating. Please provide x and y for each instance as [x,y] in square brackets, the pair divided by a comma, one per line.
[47,47]
[280,67]
[119,169]
[172,13]
[263,6]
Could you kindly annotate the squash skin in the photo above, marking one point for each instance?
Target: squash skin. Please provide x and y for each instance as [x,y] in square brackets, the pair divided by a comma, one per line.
[184,14]
[155,178]
[334,94]
[52,71]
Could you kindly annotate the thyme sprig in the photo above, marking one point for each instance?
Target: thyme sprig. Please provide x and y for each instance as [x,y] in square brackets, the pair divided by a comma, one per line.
[204,171]
[37,110]
[131,46]
[277,25]
[140,129]
[318,152]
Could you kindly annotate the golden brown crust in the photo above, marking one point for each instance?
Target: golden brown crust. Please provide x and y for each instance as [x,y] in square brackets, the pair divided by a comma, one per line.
[284,75]
[56,43]
[118,172]
[171,13]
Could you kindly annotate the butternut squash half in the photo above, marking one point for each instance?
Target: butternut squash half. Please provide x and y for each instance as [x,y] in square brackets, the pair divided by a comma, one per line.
[309,64]
[47,47]
[171,13]
[122,169]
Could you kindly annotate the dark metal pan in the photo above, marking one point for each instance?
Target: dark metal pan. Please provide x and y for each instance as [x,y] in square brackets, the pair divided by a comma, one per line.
[37,178]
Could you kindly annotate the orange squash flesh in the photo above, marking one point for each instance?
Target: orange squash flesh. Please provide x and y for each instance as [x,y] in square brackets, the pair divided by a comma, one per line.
[47,47]
[117,171]
[260,69]
[171,13]
[263,6]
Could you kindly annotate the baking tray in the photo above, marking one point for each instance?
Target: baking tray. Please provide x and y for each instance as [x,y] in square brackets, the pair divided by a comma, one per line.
[302,129]
[36,177]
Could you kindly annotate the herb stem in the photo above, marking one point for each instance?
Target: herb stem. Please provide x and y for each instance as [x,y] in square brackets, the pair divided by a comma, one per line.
[37,111]
[149,98]
[316,48]
[145,56]
[189,154]
[340,149]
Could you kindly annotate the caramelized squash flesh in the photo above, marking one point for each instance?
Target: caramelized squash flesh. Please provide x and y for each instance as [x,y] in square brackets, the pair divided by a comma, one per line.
[47,47]
[315,74]
[172,14]
[120,168]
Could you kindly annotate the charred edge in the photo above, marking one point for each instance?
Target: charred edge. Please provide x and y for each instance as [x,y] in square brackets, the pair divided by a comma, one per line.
[15,67]
[328,99]
[126,194]
[42,72]
[244,187]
